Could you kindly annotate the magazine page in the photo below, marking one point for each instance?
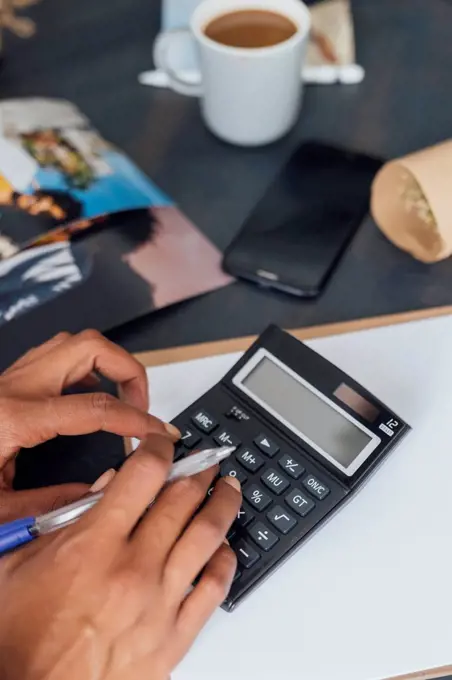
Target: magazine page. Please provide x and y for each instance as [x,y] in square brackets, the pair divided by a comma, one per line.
[86,240]
[55,168]
[118,269]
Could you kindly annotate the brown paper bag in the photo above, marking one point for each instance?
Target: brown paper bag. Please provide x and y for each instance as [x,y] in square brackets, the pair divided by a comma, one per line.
[411,202]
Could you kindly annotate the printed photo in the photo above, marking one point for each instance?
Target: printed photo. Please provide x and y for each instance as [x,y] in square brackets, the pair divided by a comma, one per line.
[105,272]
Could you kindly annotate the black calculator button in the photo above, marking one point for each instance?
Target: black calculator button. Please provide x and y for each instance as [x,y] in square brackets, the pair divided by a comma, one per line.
[275,481]
[228,469]
[299,502]
[189,438]
[316,487]
[258,498]
[250,459]
[231,533]
[246,555]
[237,413]
[237,575]
[292,467]
[266,445]
[244,517]
[225,438]
[281,519]
[204,421]
[179,452]
[262,536]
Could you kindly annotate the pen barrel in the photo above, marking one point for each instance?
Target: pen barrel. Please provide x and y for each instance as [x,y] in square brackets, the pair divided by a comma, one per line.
[15,534]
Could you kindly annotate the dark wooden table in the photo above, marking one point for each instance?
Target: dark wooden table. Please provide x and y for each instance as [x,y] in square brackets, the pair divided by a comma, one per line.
[91,53]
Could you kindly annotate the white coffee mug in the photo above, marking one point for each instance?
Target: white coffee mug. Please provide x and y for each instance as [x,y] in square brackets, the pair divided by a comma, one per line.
[249,96]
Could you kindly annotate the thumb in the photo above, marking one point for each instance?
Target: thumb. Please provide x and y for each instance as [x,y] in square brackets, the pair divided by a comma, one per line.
[17,504]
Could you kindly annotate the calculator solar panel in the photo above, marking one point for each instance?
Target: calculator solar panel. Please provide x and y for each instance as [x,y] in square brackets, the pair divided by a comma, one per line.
[306,437]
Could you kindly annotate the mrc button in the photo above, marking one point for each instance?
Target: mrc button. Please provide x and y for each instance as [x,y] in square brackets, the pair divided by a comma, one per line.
[315,487]
[204,422]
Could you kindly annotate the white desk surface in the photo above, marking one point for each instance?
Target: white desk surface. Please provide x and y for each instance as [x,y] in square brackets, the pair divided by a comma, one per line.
[370,596]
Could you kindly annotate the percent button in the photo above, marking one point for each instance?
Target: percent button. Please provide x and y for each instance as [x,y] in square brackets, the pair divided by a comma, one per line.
[257,497]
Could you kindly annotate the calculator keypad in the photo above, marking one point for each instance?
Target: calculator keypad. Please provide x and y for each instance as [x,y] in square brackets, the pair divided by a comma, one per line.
[284,496]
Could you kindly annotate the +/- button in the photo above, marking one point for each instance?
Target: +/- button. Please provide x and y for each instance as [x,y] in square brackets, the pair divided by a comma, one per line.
[292,467]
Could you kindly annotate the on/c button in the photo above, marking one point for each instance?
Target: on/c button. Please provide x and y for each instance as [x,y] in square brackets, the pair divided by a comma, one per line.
[315,487]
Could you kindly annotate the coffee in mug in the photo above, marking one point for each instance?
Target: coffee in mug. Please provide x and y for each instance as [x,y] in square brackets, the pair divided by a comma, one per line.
[251,54]
[250,29]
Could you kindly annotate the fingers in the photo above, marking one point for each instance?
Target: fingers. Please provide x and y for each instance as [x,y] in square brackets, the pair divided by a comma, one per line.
[169,515]
[76,357]
[16,504]
[208,594]
[27,423]
[37,352]
[203,537]
[133,488]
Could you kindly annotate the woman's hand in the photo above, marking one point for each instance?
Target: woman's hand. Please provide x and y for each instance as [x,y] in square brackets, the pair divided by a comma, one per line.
[106,599]
[33,410]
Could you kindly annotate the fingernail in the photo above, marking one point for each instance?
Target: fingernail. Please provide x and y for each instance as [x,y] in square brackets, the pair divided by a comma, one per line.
[173,432]
[226,541]
[103,481]
[233,481]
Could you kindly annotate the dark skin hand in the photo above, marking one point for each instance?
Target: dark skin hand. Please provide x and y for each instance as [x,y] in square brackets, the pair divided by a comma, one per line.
[109,597]
[33,410]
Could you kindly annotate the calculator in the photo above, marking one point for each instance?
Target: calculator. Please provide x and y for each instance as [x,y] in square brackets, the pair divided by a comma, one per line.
[307,437]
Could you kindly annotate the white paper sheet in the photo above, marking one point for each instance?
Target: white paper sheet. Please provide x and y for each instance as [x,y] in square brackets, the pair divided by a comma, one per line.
[370,596]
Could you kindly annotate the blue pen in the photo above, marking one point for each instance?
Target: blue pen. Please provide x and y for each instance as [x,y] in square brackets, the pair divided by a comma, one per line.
[22,531]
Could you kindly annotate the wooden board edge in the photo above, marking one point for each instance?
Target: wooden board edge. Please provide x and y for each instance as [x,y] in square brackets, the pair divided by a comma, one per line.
[206,349]
[432,674]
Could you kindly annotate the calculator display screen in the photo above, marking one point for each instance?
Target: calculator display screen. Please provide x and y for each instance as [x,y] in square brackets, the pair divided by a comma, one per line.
[308,412]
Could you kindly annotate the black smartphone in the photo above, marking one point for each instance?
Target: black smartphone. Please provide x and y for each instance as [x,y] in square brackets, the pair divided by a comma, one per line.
[295,236]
